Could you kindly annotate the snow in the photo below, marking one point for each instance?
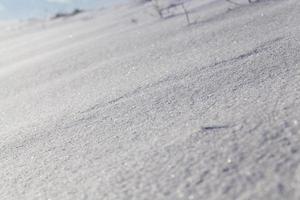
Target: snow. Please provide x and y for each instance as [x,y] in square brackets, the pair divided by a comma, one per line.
[98,107]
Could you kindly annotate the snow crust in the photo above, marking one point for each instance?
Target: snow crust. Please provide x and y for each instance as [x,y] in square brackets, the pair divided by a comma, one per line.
[101,106]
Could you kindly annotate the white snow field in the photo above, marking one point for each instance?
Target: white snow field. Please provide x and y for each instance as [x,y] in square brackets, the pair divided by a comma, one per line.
[118,104]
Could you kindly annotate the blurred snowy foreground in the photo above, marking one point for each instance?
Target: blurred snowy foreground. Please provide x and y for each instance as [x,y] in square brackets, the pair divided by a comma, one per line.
[119,104]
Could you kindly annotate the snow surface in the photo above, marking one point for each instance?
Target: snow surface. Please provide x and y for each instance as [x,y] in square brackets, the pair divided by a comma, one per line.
[118,104]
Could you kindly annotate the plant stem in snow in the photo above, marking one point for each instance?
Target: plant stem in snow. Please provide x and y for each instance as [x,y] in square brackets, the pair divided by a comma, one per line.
[186,14]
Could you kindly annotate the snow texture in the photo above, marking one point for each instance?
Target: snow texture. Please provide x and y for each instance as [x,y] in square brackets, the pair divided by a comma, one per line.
[118,104]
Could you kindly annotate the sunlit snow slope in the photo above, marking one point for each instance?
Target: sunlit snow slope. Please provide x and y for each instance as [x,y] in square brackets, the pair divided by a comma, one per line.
[118,104]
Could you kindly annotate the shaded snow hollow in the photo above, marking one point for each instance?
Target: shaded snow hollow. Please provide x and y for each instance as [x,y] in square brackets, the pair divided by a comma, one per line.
[118,104]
